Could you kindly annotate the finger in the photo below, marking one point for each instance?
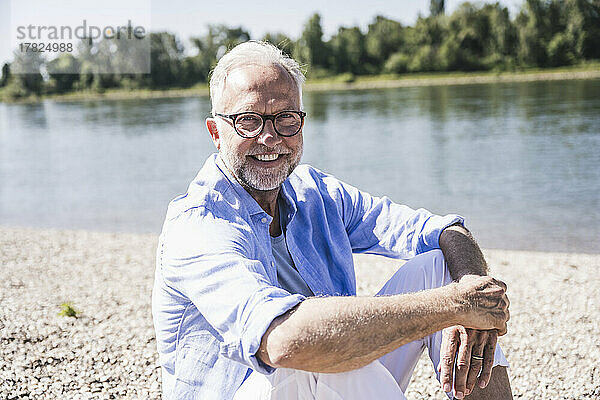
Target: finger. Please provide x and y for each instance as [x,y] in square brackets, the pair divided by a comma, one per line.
[500,283]
[463,360]
[501,323]
[504,304]
[447,355]
[489,350]
[500,318]
[477,352]
[503,331]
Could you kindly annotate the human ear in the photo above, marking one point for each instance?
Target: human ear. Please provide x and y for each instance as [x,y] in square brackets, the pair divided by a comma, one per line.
[211,125]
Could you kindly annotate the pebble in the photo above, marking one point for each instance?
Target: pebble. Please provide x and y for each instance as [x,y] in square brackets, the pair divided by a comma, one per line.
[109,351]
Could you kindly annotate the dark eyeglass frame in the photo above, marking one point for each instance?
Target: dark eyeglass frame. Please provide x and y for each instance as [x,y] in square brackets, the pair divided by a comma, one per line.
[264,118]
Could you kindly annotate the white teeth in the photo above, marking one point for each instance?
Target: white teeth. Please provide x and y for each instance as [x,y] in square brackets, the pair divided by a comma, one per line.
[267,157]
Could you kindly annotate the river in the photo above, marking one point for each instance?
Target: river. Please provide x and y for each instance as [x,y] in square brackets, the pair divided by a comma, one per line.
[520,161]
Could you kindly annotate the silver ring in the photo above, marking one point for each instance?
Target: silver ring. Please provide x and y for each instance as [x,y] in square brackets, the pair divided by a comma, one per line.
[478,358]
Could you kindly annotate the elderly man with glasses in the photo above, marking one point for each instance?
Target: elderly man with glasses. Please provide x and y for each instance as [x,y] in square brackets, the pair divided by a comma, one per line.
[255,291]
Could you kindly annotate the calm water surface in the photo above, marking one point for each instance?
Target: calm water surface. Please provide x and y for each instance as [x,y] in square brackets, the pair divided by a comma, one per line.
[520,161]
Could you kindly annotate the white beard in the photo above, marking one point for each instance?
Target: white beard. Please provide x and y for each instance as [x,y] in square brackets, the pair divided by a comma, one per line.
[258,178]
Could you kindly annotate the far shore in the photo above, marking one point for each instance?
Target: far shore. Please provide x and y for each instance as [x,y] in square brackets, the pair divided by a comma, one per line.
[348,82]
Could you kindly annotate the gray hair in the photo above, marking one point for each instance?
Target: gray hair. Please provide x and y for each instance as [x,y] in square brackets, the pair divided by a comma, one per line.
[251,52]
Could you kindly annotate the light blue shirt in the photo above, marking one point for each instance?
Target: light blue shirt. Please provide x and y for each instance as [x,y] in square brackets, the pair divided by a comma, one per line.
[216,290]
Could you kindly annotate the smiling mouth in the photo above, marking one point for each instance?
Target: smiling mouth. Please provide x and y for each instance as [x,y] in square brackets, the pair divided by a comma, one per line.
[266,157]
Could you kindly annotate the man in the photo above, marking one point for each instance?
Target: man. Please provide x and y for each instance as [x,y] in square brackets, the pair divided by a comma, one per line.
[255,293]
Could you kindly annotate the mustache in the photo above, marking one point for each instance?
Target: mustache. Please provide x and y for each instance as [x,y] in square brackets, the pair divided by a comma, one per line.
[262,149]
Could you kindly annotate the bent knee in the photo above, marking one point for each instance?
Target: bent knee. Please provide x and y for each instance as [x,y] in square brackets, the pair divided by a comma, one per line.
[433,268]
[425,271]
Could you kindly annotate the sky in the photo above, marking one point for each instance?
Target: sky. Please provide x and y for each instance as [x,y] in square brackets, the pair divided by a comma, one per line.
[190,18]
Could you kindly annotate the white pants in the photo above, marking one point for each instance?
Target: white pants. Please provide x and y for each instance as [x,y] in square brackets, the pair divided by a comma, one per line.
[385,378]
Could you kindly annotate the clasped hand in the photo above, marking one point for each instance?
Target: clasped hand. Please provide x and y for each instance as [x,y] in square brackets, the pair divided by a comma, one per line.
[473,350]
[468,353]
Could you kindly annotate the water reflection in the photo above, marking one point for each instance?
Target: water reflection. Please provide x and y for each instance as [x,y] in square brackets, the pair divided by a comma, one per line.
[133,117]
[316,105]
[27,116]
[482,150]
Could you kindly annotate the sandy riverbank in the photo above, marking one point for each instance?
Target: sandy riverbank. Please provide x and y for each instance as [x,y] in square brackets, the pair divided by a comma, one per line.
[109,351]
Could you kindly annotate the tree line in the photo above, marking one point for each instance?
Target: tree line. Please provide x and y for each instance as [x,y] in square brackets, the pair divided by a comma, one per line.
[475,37]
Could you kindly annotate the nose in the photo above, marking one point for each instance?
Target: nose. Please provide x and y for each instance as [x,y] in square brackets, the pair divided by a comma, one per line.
[268,136]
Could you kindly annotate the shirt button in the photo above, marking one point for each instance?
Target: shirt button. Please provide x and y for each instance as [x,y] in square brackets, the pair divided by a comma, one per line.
[263,220]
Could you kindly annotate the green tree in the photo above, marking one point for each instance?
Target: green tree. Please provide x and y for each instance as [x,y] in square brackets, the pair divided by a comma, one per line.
[310,48]
[26,76]
[196,68]
[5,74]
[348,51]
[423,42]
[428,32]
[210,48]
[384,38]
[560,50]
[64,72]
[425,59]
[470,28]
[166,55]
[436,7]
[97,61]
[397,63]
[478,37]
[280,40]
[86,72]
[533,33]
[582,27]
[503,33]
[228,38]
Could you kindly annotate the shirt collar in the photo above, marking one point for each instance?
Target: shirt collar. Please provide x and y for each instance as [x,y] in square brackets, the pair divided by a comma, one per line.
[251,204]
[253,207]
[286,195]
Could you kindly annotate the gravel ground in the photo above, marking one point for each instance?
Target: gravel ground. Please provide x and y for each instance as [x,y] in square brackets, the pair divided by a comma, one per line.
[109,351]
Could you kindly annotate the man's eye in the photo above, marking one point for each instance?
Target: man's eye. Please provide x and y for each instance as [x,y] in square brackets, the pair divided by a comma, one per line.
[248,118]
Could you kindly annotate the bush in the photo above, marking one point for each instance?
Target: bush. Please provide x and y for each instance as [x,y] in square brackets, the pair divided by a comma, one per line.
[130,83]
[318,73]
[14,90]
[450,55]
[346,77]
[424,60]
[498,63]
[560,51]
[397,63]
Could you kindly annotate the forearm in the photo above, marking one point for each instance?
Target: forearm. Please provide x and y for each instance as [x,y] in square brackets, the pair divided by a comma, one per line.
[461,252]
[337,334]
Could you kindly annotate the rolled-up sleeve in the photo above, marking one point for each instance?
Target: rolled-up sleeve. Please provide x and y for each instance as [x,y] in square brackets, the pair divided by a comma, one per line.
[378,225]
[209,261]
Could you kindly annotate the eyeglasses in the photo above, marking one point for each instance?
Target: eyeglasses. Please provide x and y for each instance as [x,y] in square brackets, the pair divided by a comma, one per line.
[250,124]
